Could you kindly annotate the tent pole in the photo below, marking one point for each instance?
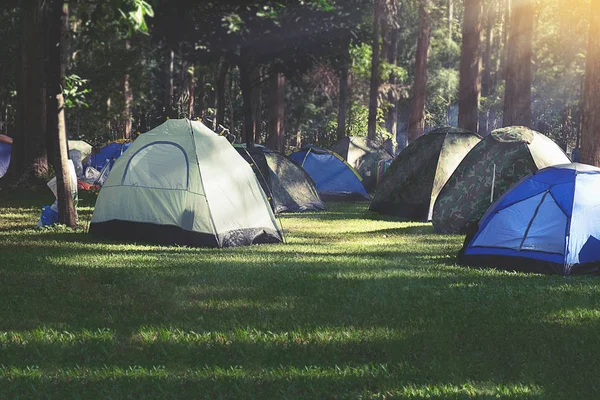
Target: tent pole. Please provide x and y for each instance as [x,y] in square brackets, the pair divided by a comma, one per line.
[493,184]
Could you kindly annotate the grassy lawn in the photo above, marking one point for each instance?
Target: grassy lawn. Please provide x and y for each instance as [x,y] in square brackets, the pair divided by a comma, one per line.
[353,306]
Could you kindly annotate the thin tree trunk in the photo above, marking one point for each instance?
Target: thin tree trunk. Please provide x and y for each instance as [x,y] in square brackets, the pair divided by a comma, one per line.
[128,100]
[470,67]
[190,89]
[220,92]
[55,75]
[277,112]
[169,84]
[505,36]
[201,93]
[343,91]
[517,95]
[375,70]
[590,133]
[391,120]
[257,104]
[246,86]
[487,81]
[450,10]
[416,121]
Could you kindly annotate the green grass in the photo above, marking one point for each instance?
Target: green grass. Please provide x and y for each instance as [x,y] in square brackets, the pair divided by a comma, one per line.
[354,306]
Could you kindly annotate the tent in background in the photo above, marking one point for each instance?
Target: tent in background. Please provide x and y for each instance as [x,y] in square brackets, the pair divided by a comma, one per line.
[335,178]
[549,222]
[181,183]
[109,153]
[497,162]
[5,153]
[84,147]
[364,155]
[289,187]
[411,184]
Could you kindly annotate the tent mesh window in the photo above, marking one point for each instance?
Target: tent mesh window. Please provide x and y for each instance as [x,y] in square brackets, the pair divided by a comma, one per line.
[161,165]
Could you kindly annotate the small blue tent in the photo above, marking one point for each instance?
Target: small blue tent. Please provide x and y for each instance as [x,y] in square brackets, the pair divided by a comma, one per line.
[5,152]
[549,222]
[334,178]
[109,152]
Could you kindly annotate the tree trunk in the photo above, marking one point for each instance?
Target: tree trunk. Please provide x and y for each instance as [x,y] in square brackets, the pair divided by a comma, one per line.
[470,67]
[590,133]
[343,91]
[505,36]
[256,104]
[416,121]
[169,84]
[277,112]
[128,100]
[391,119]
[202,91]
[220,92]
[487,80]
[450,11]
[246,86]
[375,70]
[517,95]
[190,89]
[58,16]
[29,158]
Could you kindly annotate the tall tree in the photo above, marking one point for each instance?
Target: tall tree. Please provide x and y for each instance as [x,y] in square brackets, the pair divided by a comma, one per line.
[343,90]
[590,132]
[470,67]
[416,121]
[375,69]
[488,72]
[220,91]
[256,103]
[517,94]
[57,25]
[169,84]
[127,99]
[277,112]
[29,158]
[392,38]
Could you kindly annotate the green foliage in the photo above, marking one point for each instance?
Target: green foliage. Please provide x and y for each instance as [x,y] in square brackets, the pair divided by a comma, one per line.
[74,92]
[137,16]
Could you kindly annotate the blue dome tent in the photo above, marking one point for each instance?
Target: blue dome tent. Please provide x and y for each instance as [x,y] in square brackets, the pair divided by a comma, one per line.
[549,222]
[109,152]
[334,178]
[5,153]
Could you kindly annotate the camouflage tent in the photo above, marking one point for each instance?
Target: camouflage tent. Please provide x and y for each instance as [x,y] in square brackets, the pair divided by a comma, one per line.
[411,184]
[498,161]
[364,155]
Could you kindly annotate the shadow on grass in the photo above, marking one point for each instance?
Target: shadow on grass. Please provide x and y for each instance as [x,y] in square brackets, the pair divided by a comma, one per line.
[417,318]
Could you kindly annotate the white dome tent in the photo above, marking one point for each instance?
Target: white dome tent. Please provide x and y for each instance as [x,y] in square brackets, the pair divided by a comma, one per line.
[181,183]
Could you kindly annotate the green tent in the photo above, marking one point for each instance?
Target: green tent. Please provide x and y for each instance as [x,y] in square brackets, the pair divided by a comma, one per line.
[411,184]
[363,155]
[498,161]
[288,186]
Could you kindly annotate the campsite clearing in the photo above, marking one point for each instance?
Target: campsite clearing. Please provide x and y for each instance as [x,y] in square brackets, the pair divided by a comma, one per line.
[355,305]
